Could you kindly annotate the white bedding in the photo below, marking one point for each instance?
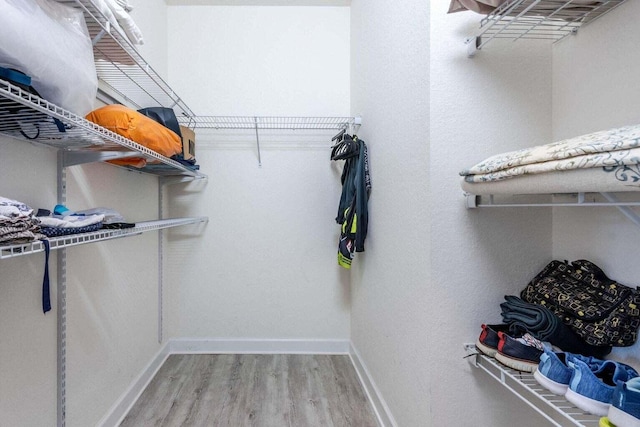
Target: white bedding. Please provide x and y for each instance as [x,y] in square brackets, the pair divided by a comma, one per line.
[601,161]
[596,180]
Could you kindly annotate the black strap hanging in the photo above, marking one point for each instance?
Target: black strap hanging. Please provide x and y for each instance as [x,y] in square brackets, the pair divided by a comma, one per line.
[46,295]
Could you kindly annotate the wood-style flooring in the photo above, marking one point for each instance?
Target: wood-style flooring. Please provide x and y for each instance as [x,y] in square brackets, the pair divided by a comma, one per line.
[260,390]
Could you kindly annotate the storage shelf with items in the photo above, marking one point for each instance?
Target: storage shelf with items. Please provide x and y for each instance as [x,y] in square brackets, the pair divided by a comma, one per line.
[122,69]
[14,250]
[28,117]
[537,19]
[124,77]
[555,409]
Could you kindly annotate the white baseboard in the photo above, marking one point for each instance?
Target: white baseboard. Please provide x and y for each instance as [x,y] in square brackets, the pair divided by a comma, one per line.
[249,346]
[383,414]
[257,346]
[120,409]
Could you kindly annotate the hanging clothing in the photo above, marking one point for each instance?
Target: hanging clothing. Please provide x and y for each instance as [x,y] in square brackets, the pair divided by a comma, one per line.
[353,214]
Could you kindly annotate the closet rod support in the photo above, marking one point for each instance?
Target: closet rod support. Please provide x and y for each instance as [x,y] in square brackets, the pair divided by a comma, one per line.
[71,158]
[258,142]
[626,210]
[101,34]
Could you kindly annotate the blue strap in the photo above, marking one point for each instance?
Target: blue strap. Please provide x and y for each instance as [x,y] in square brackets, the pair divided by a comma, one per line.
[46,297]
[15,75]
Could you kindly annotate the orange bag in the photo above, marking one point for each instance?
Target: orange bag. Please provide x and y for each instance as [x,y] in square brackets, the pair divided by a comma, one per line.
[138,128]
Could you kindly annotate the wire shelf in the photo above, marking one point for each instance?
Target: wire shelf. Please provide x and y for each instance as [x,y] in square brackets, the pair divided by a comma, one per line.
[270,122]
[556,409]
[538,19]
[29,117]
[11,251]
[122,68]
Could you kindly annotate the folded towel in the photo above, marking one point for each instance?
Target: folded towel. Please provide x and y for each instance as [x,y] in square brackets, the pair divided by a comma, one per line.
[544,325]
[71,221]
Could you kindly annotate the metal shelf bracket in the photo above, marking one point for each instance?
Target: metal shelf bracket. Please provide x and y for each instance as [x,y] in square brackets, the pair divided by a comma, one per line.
[536,19]
[600,199]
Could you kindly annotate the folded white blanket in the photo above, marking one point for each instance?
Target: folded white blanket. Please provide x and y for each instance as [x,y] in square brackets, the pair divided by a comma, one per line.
[70,221]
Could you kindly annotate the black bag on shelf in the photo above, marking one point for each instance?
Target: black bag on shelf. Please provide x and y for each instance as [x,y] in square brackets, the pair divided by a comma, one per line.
[23,81]
[600,310]
[165,116]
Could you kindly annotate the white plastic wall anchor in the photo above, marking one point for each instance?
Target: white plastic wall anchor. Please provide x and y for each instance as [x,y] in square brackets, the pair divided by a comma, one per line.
[473,44]
[471,201]
[471,353]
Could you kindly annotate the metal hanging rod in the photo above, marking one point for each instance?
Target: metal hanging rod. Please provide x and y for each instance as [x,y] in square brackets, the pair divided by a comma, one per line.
[258,123]
[270,122]
[601,199]
[537,19]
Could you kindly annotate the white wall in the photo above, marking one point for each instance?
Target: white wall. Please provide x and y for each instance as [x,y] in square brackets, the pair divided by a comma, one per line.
[151,18]
[434,271]
[596,88]
[390,281]
[498,101]
[266,265]
[27,336]
[249,60]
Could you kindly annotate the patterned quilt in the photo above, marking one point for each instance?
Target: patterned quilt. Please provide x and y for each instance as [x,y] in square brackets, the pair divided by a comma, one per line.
[615,150]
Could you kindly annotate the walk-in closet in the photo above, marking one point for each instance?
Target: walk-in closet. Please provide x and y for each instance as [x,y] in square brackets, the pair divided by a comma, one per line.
[300,248]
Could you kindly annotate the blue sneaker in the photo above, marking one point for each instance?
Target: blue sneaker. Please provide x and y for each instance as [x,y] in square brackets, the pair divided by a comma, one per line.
[625,404]
[554,373]
[592,391]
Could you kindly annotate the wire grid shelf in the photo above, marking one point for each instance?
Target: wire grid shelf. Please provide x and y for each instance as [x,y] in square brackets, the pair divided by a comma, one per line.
[11,251]
[122,68]
[556,409]
[29,117]
[539,19]
[269,122]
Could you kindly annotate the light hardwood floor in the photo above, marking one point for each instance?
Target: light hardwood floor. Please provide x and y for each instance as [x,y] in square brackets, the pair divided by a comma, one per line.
[266,390]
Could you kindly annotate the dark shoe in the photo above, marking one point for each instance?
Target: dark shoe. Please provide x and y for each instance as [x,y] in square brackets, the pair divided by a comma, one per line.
[522,354]
[487,342]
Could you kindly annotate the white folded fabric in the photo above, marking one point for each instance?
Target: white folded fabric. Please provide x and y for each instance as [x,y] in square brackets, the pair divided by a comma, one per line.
[10,212]
[70,221]
[125,5]
[126,22]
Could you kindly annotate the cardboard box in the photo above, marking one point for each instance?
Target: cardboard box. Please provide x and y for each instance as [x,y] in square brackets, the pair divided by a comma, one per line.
[188,143]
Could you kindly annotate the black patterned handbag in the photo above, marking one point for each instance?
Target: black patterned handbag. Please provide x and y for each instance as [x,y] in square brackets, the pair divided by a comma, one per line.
[600,310]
